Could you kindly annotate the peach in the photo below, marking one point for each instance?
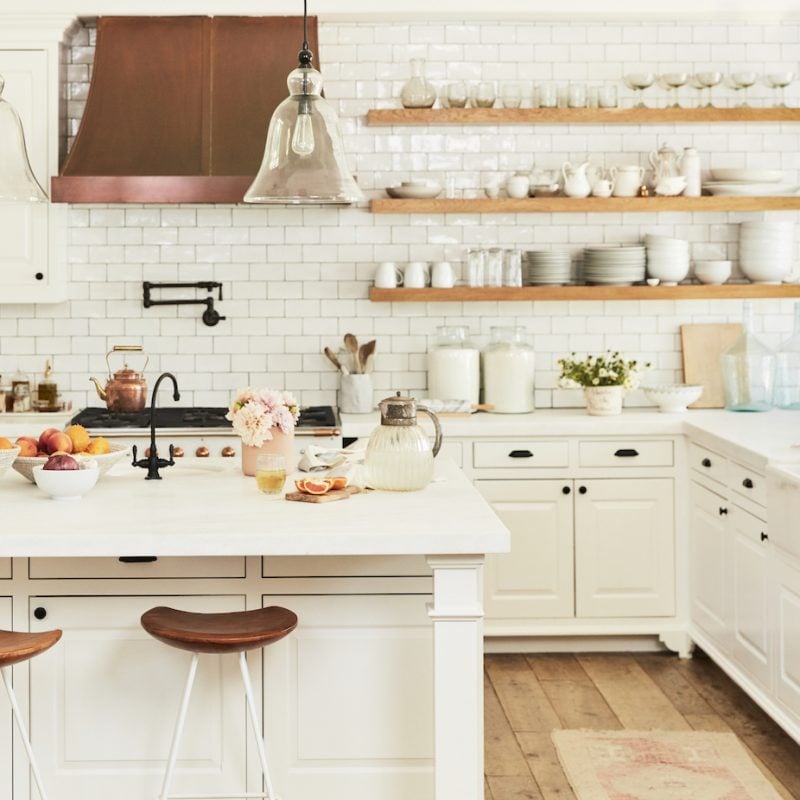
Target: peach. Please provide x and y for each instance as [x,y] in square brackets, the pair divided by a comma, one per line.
[5,444]
[58,441]
[44,436]
[27,446]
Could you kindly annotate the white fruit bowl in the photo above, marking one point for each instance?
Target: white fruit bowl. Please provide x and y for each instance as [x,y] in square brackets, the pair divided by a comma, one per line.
[673,398]
[26,464]
[7,458]
[67,484]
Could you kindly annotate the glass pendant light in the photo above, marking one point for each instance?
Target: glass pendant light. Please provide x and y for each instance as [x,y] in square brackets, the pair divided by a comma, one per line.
[17,181]
[304,160]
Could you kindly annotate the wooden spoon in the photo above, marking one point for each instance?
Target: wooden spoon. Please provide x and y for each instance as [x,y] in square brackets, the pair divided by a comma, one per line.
[365,352]
[332,358]
[351,345]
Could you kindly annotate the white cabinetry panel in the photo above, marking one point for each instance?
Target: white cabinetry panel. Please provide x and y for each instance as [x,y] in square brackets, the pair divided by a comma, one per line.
[536,578]
[105,699]
[624,548]
[786,673]
[6,771]
[348,698]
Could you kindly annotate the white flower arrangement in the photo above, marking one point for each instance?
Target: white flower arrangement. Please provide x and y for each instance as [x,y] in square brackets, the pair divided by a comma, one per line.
[254,412]
[607,370]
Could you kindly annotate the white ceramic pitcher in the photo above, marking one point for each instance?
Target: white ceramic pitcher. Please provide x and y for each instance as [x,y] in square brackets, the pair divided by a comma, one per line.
[576,179]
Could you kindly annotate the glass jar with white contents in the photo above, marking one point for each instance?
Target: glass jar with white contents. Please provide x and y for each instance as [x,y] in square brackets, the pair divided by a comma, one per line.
[509,371]
[453,365]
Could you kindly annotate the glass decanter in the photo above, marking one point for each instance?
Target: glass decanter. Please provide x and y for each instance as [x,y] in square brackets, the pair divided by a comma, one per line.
[418,92]
[787,368]
[748,369]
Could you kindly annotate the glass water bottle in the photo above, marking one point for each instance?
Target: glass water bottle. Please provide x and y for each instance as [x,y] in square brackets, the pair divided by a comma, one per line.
[787,368]
[748,370]
[417,91]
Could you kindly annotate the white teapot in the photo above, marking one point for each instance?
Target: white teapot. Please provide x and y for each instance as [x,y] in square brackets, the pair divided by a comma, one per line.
[665,164]
[576,179]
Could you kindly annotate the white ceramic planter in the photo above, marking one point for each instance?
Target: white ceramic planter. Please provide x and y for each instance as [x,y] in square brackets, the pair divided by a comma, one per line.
[603,401]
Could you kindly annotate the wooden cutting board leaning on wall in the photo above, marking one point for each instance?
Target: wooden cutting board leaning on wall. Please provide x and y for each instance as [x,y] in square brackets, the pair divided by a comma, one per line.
[701,346]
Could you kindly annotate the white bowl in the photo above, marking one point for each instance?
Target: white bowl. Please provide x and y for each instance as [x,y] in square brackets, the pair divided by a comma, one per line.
[747,175]
[672,398]
[25,464]
[415,190]
[712,272]
[7,458]
[668,272]
[67,484]
[765,271]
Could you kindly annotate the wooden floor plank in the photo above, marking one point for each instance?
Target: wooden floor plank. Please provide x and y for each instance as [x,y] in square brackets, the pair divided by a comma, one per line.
[543,762]
[580,705]
[662,670]
[556,667]
[514,788]
[520,694]
[502,753]
[632,695]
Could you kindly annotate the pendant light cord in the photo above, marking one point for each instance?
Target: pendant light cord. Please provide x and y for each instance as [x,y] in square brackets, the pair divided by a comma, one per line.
[305,24]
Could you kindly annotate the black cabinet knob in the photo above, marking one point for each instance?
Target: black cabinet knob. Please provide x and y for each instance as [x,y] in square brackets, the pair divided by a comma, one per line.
[747,483]
[706,462]
[764,536]
[520,454]
[39,276]
[722,511]
[582,490]
[39,612]
[566,490]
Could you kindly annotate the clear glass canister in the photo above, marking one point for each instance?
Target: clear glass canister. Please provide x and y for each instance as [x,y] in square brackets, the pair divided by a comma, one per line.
[512,268]
[787,368]
[475,266]
[417,91]
[509,371]
[493,274]
[748,370]
[453,365]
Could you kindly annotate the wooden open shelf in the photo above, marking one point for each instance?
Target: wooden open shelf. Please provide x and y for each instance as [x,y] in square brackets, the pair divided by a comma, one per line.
[461,294]
[533,205]
[575,116]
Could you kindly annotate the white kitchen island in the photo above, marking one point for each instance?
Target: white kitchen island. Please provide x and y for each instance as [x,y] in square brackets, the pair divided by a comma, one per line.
[211,514]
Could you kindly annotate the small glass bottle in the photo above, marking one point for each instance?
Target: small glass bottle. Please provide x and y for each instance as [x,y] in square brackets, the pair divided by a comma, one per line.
[21,392]
[454,366]
[47,390]
[787,368]
[417,91]
[748,369]
[509,371]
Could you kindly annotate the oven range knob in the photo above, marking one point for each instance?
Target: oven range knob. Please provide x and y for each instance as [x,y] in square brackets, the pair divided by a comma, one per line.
[147,453]
[202,452]
[177,452]
[228,452]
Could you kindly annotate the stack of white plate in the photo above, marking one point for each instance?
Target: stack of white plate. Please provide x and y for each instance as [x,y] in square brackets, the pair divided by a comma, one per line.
[766,250]
[546,267]
[760,182]
[613,265]
[667,259]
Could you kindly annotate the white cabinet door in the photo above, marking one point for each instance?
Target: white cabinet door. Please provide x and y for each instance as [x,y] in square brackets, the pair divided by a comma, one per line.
[786,669]
[535,579]
[348,698]
[105,699]
[624,548]
[708,558]
[749,592]
[6,771]
[31,233]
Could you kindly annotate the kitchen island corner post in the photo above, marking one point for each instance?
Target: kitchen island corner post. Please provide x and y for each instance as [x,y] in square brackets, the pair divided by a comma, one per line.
[457,614]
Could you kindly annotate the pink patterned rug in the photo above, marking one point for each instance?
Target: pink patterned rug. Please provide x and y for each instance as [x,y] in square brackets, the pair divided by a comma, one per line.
[660,765]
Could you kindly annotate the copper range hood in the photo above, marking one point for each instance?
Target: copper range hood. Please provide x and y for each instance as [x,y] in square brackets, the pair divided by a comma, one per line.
[178,108]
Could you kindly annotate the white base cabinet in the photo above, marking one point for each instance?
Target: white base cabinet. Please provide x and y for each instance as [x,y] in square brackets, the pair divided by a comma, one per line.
[786,613]
[6,720]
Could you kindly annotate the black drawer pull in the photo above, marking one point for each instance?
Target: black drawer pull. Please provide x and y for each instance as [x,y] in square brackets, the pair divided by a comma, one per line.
[626,452]
[39,612]
[565,490]
[722,511]
[747,483]
[764,536]
[706,462]
[520,454]
[138,559]
[582,489]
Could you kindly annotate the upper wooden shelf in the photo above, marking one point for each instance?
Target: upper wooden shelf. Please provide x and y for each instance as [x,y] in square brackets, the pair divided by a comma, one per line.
[534,205]
[681,292]
[576,116]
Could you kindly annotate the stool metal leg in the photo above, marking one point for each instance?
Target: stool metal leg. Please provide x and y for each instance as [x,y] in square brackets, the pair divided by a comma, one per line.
[176,737]
[251,707]
[6,673]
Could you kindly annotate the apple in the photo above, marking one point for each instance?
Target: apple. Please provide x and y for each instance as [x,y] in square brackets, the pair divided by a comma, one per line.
[61,462]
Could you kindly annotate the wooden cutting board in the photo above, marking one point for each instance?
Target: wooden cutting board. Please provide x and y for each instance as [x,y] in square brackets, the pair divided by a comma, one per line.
[701,346]
[328,497]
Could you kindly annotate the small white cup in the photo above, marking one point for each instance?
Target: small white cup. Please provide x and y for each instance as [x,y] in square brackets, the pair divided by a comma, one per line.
[416,275]
[518,186]
[442,275]
[602,188]
[388,276]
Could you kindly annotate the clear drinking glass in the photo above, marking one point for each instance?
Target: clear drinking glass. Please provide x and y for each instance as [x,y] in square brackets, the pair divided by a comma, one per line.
[576,95]
[493,269]
[607,96]
[485,94]
[708,80]
[780,80]
[457,94]
[741,82]
[548,95]
[672,82]
[270,473]
[512,268]
[639,81]
[511,95]
[475,266]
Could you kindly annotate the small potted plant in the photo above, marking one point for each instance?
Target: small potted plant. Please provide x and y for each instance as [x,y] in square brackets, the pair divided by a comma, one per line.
[264,419]
[603,378]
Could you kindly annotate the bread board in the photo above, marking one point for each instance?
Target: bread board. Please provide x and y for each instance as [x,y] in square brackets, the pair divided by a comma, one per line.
[329,497]
[701,346]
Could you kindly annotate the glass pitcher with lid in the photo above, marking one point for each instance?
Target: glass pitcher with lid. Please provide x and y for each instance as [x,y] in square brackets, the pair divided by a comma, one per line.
[399,455]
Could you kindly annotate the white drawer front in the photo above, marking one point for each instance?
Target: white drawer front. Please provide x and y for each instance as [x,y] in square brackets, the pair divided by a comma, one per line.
[138,566]
[622,453]
[521,454]
[708,463]
[748,483]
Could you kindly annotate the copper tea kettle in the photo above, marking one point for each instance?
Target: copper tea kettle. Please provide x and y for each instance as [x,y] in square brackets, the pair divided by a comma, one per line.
[126,391]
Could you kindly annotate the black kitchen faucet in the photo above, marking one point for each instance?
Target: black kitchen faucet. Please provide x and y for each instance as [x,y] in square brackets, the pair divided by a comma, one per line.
[152,462]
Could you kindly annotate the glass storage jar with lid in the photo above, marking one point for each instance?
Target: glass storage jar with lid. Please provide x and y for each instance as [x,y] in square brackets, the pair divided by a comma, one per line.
[787,368]
[453,365]
[508,371]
